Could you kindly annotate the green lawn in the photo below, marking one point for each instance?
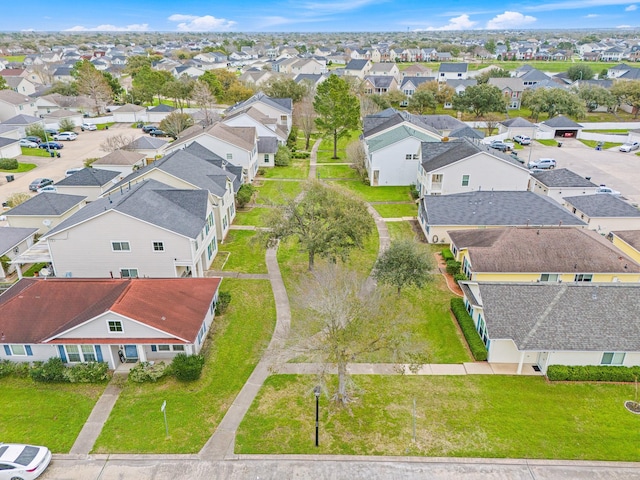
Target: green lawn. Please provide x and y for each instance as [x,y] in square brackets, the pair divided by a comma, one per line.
[14,58]
[245,255]
[254,216]
[397,210]
[336,171]
[378,194]
[400,230]
[611,131]
[22,167]
[593,143]
[326,156]
[194,410]
[35,152]
[467,416]
[548,143]
[273,192]
[45,414]
[299,169]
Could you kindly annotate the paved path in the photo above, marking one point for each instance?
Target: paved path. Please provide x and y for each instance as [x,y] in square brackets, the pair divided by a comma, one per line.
[222,442]
[313,160]
[100,413]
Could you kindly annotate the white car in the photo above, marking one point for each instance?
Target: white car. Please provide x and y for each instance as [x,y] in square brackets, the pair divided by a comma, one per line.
[88,126]
[28,143]
[629,146]
[65,136]
[542,164]
[608,191]
[24,462]
[47,189]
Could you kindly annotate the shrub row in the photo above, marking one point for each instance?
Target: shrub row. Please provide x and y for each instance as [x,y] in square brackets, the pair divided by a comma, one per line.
[55,371]
[8,164]
[453,267]
[593,373]
[460,277]
[185,368]
[299,155]
[447,255]
[478,350]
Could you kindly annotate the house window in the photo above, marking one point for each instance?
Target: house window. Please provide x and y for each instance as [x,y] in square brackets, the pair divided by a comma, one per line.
[115,326]
[465,180]
[482,331]
[229,156]
[283,118]
[80,353]
[129,273]
[415,156]
[164,348]
[18,350]
[120,246]
[158,246]
[178,348]
[610,358]
[266,158]
[549,277]
[408,156]
[583,277]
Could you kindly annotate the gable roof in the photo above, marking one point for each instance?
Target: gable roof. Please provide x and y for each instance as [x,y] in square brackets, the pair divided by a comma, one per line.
[562,177]
[47,204]
[526,249]
[632,237]
[356,64]
[496,208]
[467,132]
[282,104]
[22,120]
[453,67]
[12,236]
[389,118]
[35,310]
[267,144]
[435,156]
[121,157]
[561,122]
[14,98]
[147,143]
[396,135]
[88,177]
[518,122]
[568,316]
[603,205]
[181,211]
[128,108]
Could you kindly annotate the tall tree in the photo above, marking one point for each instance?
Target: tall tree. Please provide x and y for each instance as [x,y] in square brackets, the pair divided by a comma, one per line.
[3,84]
[178,89]
[213,82]
[628,91]
[595,96]
[344,321]
[175,123]
[304,116]
[202,96]
[148,83]
[326,221]
[403,264]
[337,108]
[480,99]
[92,83]
[580,72]
[422,101]
[283,87]
[552,101]
[493,73]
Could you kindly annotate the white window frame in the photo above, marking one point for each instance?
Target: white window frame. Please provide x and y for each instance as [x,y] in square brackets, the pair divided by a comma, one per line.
[582,277]
[129,273]
[549,278]
[159,245]
[468,178]
[16,353]
[617,358]
[120,242]
[80,353]
[115,325]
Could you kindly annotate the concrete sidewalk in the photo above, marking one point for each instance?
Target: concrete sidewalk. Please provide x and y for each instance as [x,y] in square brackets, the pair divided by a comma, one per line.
[470,368]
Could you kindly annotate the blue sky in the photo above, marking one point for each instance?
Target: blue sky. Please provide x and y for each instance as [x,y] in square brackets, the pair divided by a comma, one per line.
[315,15]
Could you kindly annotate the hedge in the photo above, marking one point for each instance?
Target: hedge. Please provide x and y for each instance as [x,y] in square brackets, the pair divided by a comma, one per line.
[453,267]
[592,373]
[8,164]
[478,350]
[447,255]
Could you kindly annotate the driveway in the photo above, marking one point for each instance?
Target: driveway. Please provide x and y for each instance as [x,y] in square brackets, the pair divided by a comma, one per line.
[620,171]
[72,155]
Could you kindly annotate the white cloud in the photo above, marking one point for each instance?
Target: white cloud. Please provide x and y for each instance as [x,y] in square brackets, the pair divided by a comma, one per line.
[463,22]
[509,20]
[572,4]
[624,26]
[143,27]
[592,15]
[631,8]
[328,8]
[205,23]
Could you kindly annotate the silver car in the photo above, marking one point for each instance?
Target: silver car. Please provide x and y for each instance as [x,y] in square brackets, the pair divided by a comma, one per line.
[629,146]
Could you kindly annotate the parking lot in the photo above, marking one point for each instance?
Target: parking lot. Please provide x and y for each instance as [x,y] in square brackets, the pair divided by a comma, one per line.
[72,155]
[615,169]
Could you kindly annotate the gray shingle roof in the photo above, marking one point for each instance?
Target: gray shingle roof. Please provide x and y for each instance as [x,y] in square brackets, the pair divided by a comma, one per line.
[48,203]
[4,141]
[453,67]
[147,143]
[518,122]
[267,144]
[498,208]
[89,177]
[12,236]
[603,205]
[180,211]
[561,122]
[564,317]
[356,64]
[438,155]
[561,177]
[162,108]
[467,132]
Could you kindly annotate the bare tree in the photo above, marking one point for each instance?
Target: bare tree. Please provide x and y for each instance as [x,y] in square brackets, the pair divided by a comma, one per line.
[357,157]
[304,117]
[119,141]
[342,322]
[491,121]
[202,96]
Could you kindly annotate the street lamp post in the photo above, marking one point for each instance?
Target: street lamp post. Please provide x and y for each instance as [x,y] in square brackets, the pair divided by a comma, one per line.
[316,392]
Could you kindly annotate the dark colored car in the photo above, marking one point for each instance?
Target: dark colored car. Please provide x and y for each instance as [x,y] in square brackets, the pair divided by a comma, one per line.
[33,138]
[39,183]
[148,128]
[51,145]
[51,131]
[158,133]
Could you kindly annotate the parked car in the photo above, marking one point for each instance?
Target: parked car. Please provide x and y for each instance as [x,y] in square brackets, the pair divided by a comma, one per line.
[609,191]
[500,145]
[88,126]
[51,131]
[51,145]
[28,143]
[39,183]
[33,138]
[629,146]
[542,164]
[48,189]
[71,171]
[26,462]
[148,128]
[66,136]
[522,139]
[158,133]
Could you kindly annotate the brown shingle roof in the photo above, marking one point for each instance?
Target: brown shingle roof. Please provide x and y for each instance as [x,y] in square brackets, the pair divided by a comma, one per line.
[632,237]
[550,250]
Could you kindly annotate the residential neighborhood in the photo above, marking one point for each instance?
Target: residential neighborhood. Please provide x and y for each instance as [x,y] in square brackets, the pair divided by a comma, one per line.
[459,217]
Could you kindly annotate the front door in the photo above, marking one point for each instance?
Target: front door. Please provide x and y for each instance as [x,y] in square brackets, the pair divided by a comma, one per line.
[543,358]
[131,352]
